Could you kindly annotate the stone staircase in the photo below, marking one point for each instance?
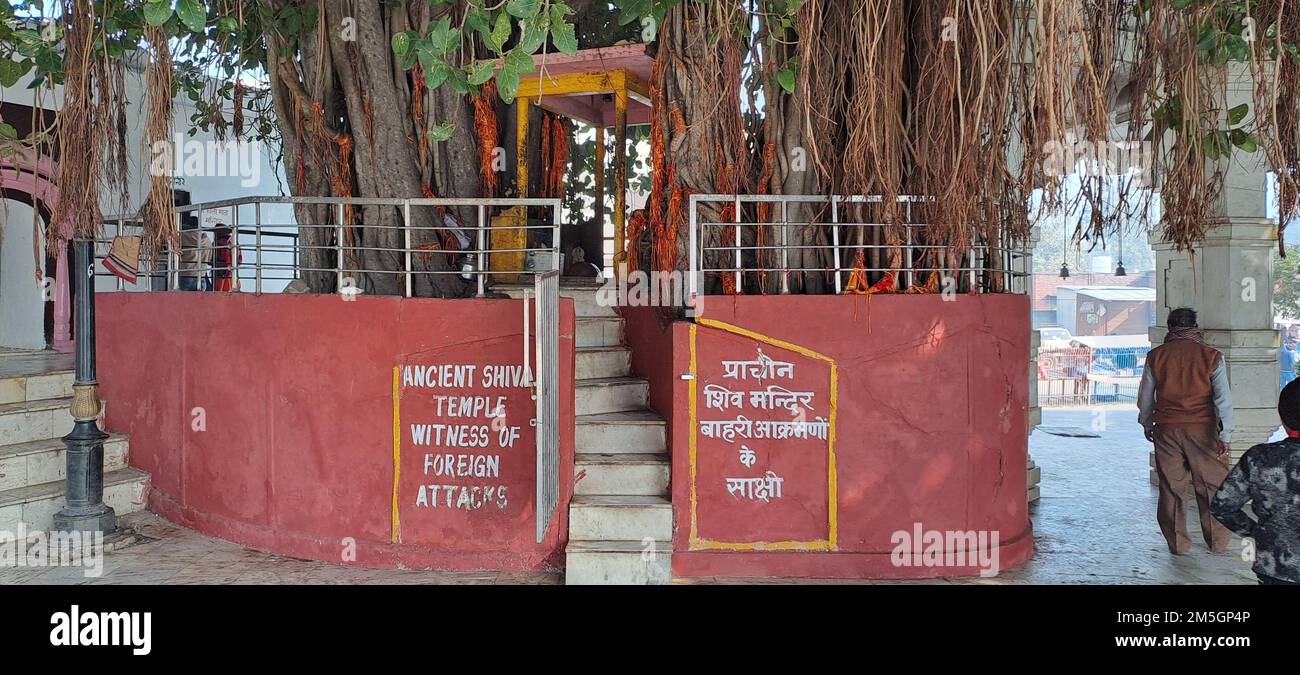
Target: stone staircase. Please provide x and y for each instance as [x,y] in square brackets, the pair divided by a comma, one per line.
[621,516]
[35,395]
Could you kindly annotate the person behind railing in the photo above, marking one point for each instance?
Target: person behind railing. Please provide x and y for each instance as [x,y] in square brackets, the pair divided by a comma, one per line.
[580,267]
[195,256]
[228,257]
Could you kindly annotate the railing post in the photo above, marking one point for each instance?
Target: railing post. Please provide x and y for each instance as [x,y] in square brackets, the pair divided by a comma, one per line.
[85,510]
[481,257]
[198,256]
[835,241]
[555,242]
[338,244]
[257,245]
[785,247]
[911,276]
[740,277]
[234,247]
[120,284]
[693,282]
[406,241]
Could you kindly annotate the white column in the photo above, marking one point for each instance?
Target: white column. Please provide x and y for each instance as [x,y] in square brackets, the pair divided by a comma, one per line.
[1229,283]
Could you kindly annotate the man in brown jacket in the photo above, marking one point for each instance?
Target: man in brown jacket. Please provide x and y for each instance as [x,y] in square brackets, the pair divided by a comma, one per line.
[1185,406]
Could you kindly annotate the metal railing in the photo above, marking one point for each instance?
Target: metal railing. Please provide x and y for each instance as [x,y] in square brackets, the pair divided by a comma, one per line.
[1086,375]
[844,233]
[272,247]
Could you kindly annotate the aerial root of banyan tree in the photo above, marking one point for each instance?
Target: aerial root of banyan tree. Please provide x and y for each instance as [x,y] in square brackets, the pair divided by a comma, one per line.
[961,102]
[958,102]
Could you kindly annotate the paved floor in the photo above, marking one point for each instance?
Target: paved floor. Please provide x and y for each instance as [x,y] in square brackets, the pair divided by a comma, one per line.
[170,554]
[1095,524]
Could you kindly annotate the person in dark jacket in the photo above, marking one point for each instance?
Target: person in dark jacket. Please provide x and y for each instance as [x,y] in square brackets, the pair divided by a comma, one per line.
[1268,478]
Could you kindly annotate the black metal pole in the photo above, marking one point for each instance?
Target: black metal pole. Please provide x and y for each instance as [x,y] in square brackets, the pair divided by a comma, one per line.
[85,510]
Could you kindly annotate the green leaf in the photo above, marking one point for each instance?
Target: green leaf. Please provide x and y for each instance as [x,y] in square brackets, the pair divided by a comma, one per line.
[12,71]
[193,14]
[442,132]
[1209,147]
[534,33]
[1238,113]
[786,79]
[562,32]
[522,9]
[500,33]
[8,131]
[401,43]
[481,72]
[1245,141]
[437,74]
[442,37]
[520,62]
[508,84]
[157,12]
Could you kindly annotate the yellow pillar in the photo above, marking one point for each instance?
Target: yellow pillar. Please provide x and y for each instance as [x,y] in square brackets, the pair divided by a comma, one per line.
[506,234]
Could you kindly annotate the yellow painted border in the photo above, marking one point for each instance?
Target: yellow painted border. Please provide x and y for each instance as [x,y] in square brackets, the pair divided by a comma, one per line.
[830,543]
[397,449]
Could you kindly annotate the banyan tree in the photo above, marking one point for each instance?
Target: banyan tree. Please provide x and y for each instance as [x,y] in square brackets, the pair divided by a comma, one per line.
[959,102]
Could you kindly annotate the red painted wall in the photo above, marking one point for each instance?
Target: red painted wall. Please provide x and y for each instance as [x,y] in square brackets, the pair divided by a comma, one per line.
[930,429]
[649,335]
[296,453]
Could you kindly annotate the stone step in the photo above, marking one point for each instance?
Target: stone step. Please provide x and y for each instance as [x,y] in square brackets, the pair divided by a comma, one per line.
[35,505]
[36,462]
[618,562]
[37,387]
[35,420]
[622,474]
[639,431]
[34,375]
[599,332]
[609,395]
[632,518]
[594,363]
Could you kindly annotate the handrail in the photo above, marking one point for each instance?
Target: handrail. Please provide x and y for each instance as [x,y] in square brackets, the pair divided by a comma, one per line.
[474,248]
[1009,262]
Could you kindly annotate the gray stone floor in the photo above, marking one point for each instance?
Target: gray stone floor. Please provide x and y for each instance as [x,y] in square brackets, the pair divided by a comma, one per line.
[1095,524]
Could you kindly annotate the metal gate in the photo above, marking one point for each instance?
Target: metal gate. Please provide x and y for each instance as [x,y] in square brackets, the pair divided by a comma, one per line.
[547,388]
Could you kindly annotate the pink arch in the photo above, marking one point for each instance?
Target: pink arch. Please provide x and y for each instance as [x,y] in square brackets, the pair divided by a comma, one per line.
[36,179]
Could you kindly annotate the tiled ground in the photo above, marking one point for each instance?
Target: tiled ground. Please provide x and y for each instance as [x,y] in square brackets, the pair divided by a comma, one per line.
[1094,525]
[176,555]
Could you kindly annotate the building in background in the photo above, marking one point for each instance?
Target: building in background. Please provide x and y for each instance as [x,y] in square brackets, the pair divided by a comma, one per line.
[1048,289]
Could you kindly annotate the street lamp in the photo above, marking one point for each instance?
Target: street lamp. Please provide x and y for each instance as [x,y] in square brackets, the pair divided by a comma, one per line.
[85,510]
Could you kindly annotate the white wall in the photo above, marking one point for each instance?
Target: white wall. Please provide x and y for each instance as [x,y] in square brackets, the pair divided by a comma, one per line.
[261,180]
[22,318]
